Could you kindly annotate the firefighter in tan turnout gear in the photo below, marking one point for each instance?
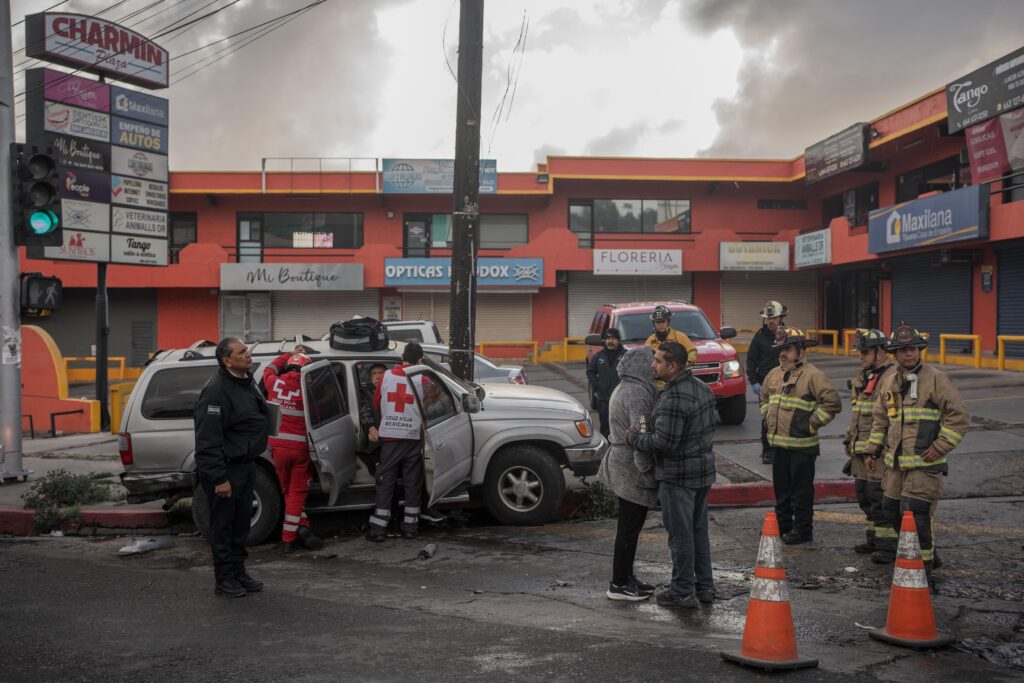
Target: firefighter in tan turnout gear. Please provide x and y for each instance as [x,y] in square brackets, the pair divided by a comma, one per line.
[796,401]
[919,418]
[875,366]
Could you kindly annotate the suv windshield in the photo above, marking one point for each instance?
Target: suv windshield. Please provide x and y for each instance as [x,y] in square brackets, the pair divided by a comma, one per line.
[637,327]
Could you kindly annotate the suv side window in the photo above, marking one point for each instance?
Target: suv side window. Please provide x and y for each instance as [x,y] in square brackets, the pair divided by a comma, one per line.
[437,402]
[595,325]
[408,335]
[324,399]
[172,394]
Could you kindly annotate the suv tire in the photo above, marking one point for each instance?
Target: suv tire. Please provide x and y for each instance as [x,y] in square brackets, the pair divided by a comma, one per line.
[524,486]
[733,410]
[268,507]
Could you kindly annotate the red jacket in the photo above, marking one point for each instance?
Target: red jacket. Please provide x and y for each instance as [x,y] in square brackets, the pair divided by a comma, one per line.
[286,391]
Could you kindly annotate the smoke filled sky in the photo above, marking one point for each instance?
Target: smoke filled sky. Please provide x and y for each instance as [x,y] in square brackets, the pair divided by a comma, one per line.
[664,78]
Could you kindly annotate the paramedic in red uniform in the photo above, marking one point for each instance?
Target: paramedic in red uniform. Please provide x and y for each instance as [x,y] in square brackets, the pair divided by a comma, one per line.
[282,380]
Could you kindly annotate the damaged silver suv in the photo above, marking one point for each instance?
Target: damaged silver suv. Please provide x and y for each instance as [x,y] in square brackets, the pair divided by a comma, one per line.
[501,445]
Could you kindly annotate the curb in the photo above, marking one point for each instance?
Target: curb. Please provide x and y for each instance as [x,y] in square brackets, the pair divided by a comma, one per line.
[15,521]
[763,493]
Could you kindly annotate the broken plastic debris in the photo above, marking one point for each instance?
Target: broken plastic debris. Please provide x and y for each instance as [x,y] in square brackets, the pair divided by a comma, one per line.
[427,552]
[563,584]
[325,556]
[57,532]
[144,545]
[851,570]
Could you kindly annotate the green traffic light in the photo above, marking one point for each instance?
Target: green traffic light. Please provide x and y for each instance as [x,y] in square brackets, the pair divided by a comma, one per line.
[43,222]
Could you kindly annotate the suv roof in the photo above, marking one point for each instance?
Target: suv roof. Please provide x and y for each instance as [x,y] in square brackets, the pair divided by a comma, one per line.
[204,349]
[648,305]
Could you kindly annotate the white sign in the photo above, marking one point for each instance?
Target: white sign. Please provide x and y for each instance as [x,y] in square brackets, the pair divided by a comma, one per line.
[813,248]
[392,306]
[753,256]
[81,246]
[12,346]
[293,277]
[135,162]
[638,262]
[139,221]
[82,123]
[136,192]
[141,251]
[90,216]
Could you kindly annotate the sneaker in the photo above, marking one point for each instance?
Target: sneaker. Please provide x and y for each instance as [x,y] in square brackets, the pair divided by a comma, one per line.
[883,557]
[432,516]
[796,538]
[630,592]
[229,588]
[289,547]
[250,584]
[376,534]
[641,585]
[864,548]
[308,540]
[667,598]
[707,595]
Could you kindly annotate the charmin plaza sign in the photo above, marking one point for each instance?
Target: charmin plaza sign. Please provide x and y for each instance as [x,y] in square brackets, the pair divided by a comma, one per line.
[98,46]
[291,277]
[948,217]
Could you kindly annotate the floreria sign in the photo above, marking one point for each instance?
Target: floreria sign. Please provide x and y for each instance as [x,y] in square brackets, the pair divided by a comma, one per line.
[949,217]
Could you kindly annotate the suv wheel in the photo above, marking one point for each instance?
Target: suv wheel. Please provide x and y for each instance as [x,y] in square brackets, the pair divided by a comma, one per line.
[733,410]
[267,507]
[524,485]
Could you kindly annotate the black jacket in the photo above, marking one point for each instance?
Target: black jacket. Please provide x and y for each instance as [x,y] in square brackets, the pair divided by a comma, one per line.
[232,424]
[761,357]
[603,372]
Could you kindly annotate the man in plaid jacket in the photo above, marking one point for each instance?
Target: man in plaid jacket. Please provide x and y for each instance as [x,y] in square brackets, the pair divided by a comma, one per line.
[681,430]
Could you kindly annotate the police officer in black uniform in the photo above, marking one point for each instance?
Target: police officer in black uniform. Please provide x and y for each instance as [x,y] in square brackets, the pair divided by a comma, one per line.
[603,373]
[232,426]
[763,357]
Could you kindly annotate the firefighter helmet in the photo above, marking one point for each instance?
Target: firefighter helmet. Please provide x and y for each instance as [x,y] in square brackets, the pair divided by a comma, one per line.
[868,339]
[296,361]
[773,309]
[791,336]
[903,336]
[661,312]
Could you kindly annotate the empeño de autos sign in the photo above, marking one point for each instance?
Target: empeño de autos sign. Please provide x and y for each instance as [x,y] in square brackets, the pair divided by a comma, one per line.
[948,217]
[133,221]
[638,262]
[847,150]
[135,162]
[987,92]
[812,248]
[291,276]
[753,256]
[137,192]
[140,135]
[97,46]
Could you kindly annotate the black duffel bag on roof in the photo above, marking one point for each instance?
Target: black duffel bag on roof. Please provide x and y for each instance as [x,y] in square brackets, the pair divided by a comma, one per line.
[359,334]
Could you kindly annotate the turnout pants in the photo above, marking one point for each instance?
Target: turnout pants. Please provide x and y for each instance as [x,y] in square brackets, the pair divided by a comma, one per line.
[793,480]
[403,455]
[878,531]
[918,491]
[229,520]
[293,470]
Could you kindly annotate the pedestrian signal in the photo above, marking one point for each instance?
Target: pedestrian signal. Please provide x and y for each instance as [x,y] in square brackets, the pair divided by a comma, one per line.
[40,294]
[35,197]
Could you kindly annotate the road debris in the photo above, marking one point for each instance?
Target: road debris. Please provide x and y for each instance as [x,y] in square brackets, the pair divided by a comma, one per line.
[145,545]
[427,552]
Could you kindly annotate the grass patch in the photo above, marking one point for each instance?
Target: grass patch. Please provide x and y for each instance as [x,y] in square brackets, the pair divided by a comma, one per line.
[57,497]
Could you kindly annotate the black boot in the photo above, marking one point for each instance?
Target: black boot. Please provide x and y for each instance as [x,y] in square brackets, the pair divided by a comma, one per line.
[795,538]
[376,534]
[767,457]
[250,584]
[307,539]
[289,547]
[883,557]
[229,588]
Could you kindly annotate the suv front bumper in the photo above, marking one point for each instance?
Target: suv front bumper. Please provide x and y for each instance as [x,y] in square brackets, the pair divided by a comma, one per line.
[143,487]
[584,461]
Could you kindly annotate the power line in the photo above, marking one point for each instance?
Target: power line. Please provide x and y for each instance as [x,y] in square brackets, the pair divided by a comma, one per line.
[22,21]
[50,35]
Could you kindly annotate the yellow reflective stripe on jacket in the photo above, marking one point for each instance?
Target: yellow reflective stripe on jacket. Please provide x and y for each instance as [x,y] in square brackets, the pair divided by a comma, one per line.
[783,441]
[764,411]
[921,414]
[823,416]
[863,447]
[909,462]
[792,402]
[950,436]
[876,438]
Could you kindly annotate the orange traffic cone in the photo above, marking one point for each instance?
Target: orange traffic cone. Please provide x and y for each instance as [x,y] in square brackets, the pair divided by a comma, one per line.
[911,621]
[768,638]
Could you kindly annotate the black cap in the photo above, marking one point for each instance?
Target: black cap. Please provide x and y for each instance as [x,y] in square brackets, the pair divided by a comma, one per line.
[613,332]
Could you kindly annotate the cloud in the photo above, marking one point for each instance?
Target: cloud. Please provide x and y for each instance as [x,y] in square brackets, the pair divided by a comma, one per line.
[812,68]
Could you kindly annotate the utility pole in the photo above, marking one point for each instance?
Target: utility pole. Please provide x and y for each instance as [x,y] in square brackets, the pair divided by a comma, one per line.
[10,281]
[102,338]
[466,194]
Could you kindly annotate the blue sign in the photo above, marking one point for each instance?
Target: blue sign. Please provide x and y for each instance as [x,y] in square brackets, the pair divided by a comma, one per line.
[138,135]
[948,217]
[90,186]
[137,105]
[490,272]
[432,176]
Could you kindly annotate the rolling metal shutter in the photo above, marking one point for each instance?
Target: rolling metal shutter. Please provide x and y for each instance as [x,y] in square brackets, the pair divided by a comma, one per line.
[933,298]
[311,313]
[745,294]
[1010,285]
[588,292]
[499,316]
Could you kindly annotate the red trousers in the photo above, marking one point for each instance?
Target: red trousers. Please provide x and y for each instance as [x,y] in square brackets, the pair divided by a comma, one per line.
[293,472]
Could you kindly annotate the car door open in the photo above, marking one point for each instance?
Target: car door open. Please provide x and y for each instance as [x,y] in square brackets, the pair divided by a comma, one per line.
[448,441]
[331,430]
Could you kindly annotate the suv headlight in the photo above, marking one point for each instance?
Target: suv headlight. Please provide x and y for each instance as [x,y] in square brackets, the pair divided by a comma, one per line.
[731,369]
[584,428]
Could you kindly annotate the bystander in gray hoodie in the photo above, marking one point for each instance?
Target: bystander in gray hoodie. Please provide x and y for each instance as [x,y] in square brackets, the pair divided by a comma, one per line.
[629,473]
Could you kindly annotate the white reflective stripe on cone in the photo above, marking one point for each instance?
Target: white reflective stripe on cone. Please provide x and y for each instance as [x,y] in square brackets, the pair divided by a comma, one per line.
[769,590]
[910,578]
[769,552]
[290,437]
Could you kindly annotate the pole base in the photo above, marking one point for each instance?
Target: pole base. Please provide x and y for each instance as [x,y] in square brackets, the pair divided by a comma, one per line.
[769,665]
[886,637]
[11,476]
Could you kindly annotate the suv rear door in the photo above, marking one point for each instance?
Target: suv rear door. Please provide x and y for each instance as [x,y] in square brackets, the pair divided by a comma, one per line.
[448,442]
[329,426]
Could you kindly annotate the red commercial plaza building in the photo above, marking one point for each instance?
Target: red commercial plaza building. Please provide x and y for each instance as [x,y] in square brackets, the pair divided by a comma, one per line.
[272,255]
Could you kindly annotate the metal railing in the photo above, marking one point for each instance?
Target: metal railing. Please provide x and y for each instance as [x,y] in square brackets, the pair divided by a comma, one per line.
[89,373]
[828,333]
[1001,342]
[481,345]
[119,395]
[975,340]
[565,346]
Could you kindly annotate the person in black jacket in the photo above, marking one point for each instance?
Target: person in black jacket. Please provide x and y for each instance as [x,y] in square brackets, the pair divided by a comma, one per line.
[762,359]
[603,374]
[232,426]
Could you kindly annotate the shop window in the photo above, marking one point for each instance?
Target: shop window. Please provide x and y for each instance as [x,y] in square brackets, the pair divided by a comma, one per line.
[855,204]
[942,175]
[630,216]
[306,230]
[183,231]
[424,232]
[503,231]
[782,204]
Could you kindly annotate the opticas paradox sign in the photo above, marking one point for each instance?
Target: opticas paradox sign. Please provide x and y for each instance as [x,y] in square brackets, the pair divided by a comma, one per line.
[523,272]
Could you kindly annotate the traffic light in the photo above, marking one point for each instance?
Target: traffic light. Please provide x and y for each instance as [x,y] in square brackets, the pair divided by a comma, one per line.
[35,197]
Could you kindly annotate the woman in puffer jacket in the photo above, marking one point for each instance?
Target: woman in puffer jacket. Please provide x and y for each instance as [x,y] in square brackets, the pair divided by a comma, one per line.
[628,473]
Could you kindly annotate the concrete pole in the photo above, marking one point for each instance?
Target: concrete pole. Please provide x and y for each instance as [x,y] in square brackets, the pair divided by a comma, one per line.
[10,281]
